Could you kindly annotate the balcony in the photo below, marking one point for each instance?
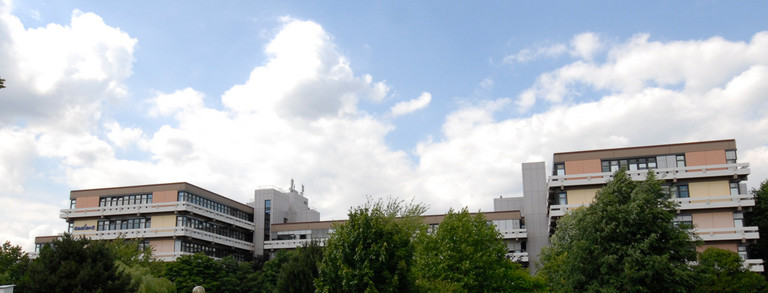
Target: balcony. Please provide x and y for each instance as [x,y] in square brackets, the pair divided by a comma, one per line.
[514,234]
[518,256]
[755,265]
[148,233]
[561,210]
[727,201]
[290,244]
[729,233]
[739,169]
[159,207]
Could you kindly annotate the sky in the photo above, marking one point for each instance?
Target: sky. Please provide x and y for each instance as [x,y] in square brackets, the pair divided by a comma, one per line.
[435,102]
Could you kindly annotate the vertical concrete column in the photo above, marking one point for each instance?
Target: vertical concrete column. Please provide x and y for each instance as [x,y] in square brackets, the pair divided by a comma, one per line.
[535,194]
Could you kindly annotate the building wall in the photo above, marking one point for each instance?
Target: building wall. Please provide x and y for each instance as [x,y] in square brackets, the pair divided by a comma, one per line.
[712,219]
[162,245]
[165,196]
[709,188]
[583,167]
[714,157]
[535,194]
[87,202]
[163,221]
[581,195]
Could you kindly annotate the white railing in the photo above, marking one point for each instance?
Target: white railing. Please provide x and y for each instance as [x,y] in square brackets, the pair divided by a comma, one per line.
[754,265]
[729,233]
[290,244]
[664,174]
[166,232]
[514,233]
[518,256]
[739,200]
[561,210]
[153,208]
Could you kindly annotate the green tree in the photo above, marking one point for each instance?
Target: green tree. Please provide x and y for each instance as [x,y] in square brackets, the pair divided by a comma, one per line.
[625,241]
[193,270]
[466,254]
[758,216]
[13,263]
[73,264]
[372,251]
[270,270]
[300,271]
[722,270]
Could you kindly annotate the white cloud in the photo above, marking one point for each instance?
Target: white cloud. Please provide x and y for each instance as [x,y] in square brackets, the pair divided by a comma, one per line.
[586,45]
[167,104]
[407,107]
[530,54]
[124,137]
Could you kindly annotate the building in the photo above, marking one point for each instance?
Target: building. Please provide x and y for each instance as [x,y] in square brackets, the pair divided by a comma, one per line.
[174,218]
[704,178]
[274,206]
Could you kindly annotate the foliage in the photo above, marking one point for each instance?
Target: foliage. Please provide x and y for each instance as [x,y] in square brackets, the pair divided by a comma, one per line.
[372,251]
[73,264]
[2,83]
[624,241]
[466,254]
[13,263]
[144,281]
[758,216]
[193,270]
[722,270]
[267,276]
[300,271]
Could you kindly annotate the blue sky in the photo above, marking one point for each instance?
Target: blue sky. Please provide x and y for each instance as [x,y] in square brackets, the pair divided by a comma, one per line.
[435,101]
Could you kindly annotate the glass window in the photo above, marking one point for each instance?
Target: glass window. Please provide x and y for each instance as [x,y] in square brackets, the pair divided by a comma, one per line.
[606,166]
[559,169]
[633,165]
[682,191]
[730,157]
[743,251]
[680,161]
[614,166]
[734,188]
[562,198]
[738,219]
[642,164]
[651,163]
[683,219]
[72,204]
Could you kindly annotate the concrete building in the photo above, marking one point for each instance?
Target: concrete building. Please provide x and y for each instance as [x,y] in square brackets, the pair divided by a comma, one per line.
[174,218]
[704,178]
[273,206]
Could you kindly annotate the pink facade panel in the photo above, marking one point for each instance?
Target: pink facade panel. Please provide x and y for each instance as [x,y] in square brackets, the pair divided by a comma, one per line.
[165,196]
[87,202]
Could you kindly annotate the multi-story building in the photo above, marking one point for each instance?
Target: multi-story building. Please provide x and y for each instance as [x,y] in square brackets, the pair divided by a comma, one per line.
[174,218]
[273,206]
[291,235]
[704,178]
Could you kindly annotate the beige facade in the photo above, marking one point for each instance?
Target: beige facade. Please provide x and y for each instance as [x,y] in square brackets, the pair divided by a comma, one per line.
[703,177]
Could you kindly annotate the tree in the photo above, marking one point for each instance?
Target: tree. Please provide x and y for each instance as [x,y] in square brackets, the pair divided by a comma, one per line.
[193,270]
[300,271]
[2,83]
[625,241]
[758,216]
[73,264]
[13,263]
[372,251]
[722,270]
[467,254]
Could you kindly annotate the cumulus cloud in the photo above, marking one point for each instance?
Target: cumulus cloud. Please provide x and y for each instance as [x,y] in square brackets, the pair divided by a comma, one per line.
[406,107]
[586,45]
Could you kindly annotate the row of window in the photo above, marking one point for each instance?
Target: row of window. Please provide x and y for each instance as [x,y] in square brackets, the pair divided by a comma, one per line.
[123,224]
[208,250]
[642,163]
[186,221]
[212,205]
[687,218]
[122,200]
[675,191]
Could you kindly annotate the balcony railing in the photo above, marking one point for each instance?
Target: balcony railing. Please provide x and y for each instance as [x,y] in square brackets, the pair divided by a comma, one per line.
[153,208]
[664,174]
[290,244]
[166,232]
[730,233]
[755,265]
[514,233]
[561,210]
[518,256]
[726,201]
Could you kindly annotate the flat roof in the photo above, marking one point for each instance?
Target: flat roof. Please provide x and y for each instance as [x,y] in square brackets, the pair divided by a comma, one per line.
[649,150]
[148,188]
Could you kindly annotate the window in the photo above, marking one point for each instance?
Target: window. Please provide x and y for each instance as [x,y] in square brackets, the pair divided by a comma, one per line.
[71,227]
[562,198]
[734,188]
[633,165]
[738,219]
[72,204]
[680,161]
[686,219]
[743,251]
[559,169]
[680,191]
[730,157]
